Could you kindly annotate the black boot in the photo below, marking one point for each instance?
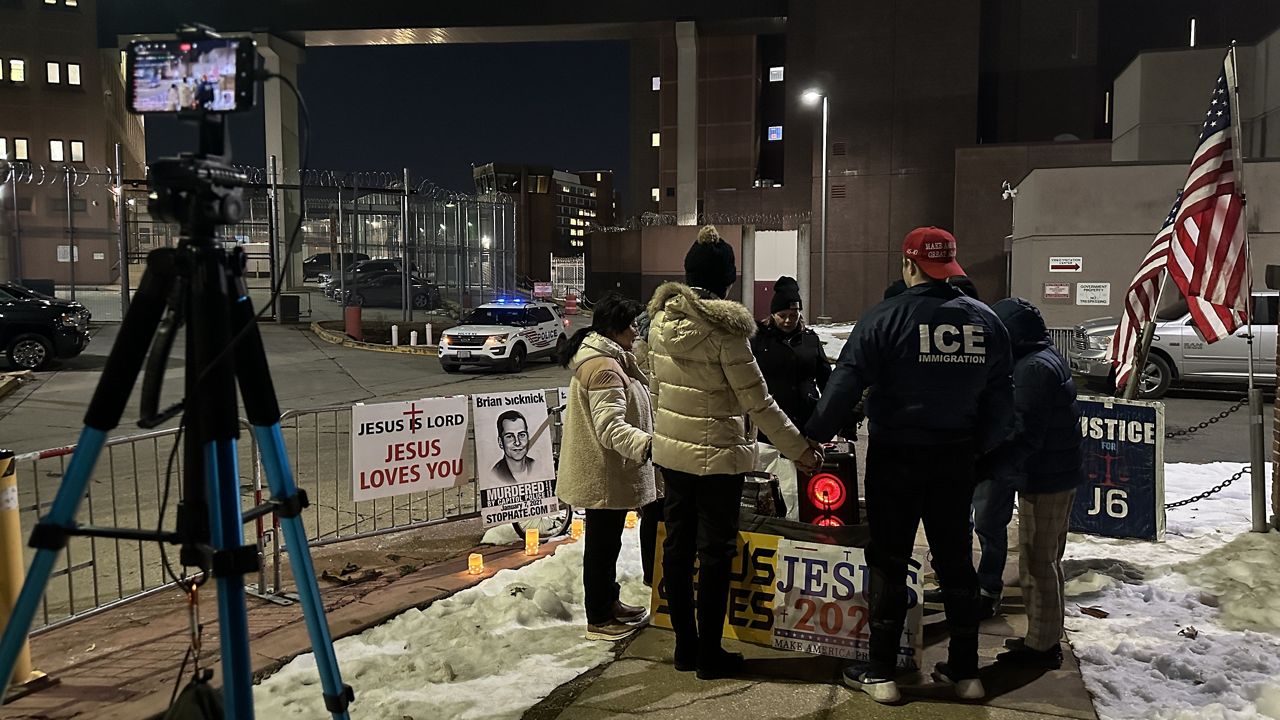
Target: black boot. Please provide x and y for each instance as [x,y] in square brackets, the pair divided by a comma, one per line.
[1024,656]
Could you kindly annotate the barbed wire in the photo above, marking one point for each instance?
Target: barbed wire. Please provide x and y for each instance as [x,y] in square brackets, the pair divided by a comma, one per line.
[760,220]
[34,174]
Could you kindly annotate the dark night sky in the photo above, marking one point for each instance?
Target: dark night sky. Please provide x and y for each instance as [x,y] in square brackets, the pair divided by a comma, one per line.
[439,108]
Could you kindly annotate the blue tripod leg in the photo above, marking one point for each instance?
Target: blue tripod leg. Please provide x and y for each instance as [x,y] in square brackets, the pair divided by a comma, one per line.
[226,534]
[337,696]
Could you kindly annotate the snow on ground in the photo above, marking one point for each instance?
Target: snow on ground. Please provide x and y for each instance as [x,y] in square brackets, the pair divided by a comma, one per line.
[833,337]
[1193,631]
[491,651]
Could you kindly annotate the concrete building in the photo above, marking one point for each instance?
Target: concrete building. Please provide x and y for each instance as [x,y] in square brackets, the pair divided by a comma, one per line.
[555,210]
[61,112]
[1107,212]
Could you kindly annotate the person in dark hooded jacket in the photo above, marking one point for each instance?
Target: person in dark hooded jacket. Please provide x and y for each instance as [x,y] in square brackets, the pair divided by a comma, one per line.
[790,355]
[1042,462]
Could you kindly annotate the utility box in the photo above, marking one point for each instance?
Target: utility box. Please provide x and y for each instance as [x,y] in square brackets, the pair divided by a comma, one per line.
[288,308]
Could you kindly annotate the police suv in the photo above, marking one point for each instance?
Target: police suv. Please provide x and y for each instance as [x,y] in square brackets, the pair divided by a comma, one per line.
[504,334]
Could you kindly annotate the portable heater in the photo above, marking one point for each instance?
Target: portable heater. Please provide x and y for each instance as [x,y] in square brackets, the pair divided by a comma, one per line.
[829,497]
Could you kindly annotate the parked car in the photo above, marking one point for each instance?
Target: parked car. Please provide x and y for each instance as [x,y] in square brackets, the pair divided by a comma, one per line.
[22,291]
[324,262]
[364,268]
[1179,353]
[384,290]
[504,334]
[35,330]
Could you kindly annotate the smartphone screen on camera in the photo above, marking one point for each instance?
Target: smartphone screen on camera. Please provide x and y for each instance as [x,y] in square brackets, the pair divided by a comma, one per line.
[209,75]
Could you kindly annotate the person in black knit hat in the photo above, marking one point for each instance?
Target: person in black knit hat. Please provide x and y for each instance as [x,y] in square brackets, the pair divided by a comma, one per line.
[707,389]
[709,265]
[790,355]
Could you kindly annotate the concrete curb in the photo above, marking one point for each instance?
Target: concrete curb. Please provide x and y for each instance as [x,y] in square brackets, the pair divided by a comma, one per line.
[337,338]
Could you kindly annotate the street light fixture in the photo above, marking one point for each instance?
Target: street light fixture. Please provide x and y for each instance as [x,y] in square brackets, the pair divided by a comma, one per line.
[811,97]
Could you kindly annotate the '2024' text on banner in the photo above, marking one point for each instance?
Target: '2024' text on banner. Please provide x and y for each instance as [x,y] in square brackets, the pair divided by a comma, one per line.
[406,447]
[1123,490]
[515,465]
[821,606]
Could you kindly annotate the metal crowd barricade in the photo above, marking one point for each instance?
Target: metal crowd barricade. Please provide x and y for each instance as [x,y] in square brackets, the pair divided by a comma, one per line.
[97,574]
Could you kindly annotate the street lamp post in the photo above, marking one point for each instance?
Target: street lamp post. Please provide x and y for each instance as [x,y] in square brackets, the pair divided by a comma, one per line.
[812,96]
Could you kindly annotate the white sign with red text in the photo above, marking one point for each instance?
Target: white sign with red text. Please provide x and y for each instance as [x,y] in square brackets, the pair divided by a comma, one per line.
[407,447]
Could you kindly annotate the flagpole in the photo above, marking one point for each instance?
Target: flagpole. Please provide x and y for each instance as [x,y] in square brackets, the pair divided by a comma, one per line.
[1257,463]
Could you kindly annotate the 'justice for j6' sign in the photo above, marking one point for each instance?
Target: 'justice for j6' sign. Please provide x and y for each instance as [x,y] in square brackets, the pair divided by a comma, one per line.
[1123,490]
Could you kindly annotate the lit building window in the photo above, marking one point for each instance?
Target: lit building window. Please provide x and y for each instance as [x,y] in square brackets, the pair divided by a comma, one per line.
[653,193]
[18,70]
[20,151]
[50,2]
[73,73]
[656,82]
[775,74]
[73,3]
[655,139]
[52,73]
[599,177]
[4,149]
[56,151]
[592,193]
[775,133]
[77,151]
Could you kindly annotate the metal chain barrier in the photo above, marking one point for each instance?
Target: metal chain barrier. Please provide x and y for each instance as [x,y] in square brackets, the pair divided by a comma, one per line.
[1187,432]
[1215,489]
[1184,432]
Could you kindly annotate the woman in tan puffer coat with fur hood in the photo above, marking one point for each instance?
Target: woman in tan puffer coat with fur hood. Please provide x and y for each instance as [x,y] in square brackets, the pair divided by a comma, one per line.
[605,455]
[711,400]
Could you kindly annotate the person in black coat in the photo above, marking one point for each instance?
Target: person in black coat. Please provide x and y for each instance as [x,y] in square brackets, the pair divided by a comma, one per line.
[790,355]
[1042,461]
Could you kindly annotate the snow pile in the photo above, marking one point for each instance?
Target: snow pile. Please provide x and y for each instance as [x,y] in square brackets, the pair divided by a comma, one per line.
[491,651]
[1191,632]
[833,337]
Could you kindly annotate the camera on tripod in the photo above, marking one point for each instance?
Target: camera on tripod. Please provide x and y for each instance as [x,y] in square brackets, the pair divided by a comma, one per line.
[199,286]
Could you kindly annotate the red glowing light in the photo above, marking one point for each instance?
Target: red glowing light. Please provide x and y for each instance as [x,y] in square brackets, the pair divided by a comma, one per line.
[828,521]
[826,491]
[185,47]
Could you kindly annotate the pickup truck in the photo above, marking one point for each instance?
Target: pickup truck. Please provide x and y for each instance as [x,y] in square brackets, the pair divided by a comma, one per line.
[1180,354]
[35,329]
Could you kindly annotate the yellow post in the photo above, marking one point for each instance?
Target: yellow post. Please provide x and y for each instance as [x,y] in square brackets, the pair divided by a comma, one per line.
[11,562]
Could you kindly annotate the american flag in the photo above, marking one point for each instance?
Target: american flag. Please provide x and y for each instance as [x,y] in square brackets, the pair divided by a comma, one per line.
[1140,302]
[1203,235]
[1209,260]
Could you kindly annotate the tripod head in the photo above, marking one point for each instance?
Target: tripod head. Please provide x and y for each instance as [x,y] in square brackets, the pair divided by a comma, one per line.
[199,192]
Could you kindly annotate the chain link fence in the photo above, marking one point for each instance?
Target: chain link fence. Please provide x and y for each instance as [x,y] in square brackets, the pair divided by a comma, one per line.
[83,233]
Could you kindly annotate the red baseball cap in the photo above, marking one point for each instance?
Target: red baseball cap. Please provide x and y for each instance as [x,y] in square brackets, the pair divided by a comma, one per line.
[934,250]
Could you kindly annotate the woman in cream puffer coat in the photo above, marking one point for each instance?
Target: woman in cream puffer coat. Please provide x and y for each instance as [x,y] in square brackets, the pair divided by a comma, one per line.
[605,464]
[711,401]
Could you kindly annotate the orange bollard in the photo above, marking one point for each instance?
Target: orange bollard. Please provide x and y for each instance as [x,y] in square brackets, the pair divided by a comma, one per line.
[11,563]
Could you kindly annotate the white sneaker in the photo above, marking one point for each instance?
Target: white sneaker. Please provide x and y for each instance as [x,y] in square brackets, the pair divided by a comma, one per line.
[966,688]
[881,689]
